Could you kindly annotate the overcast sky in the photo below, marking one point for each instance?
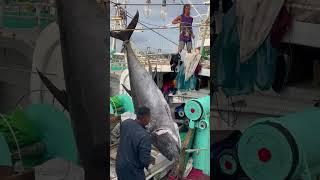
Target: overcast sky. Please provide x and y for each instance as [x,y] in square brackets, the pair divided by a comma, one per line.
[149,38]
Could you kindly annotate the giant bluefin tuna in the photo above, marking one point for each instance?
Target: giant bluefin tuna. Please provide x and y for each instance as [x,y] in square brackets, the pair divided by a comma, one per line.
[144,91]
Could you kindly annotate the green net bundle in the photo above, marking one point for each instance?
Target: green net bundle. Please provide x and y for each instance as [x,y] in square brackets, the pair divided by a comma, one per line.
[25,133]
[116,104]
[22,127]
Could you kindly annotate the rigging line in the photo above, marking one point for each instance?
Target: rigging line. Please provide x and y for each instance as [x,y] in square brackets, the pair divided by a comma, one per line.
[145,21]
[155,24]
[147,26]
[153,30]
[15,85]
[156,4]
[29,93]
[159,28]
[6,68]
[194,7]
[151,24]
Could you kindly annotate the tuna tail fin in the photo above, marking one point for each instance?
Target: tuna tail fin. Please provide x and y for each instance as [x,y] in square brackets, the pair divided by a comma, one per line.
[126,34]
[60,95]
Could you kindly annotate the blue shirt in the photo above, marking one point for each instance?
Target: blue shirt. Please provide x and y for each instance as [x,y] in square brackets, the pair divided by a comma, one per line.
[134,151]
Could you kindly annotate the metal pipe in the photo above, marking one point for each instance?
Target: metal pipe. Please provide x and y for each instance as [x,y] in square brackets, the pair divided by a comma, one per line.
[205,32]
[2,4]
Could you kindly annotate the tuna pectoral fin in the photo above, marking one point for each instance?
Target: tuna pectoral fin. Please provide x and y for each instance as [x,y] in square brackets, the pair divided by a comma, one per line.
[127,90]
[60,95]
[126,34]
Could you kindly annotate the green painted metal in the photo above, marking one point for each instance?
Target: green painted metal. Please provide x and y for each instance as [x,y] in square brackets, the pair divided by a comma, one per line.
[111,110]
[24,132]
[193,110]
[228,164]
[183,136]
[5,155]
[200,119]
[197,108]
[274,148]
[118,68]
[20,22]
[56,131]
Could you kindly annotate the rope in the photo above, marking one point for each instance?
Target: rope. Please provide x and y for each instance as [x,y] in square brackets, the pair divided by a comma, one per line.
[14,136]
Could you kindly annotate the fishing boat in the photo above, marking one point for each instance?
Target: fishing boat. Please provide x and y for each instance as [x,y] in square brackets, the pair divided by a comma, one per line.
[30,41]
[157,62]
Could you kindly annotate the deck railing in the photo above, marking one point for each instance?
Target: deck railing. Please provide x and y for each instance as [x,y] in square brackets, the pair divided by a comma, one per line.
[28,15]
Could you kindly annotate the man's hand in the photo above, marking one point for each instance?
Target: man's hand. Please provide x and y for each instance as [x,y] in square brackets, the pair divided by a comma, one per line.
[115,119]
[153,160]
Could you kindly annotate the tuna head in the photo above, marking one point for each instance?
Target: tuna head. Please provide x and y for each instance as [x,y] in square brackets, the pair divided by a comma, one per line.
[165,141]
[145,92]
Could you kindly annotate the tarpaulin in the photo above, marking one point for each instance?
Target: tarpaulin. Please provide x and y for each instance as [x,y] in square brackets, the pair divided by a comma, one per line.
[255,20]
[241,78]
[191,62]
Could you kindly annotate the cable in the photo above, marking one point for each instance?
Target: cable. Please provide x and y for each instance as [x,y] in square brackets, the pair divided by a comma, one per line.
[131,16]
[150,23]
[23,70]
[235,114]
[156,4]
[143,21]
[219,112]
[15,85]
[164,28]
[152,30]
[30,92]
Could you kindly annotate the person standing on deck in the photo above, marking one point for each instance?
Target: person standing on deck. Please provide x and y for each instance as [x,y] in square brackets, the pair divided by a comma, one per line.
[186,33]
[134,151]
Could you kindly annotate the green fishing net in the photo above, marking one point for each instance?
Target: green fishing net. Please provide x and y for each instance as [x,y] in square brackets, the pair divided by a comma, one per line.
[22,127]
[115,103]
[25,133]
[120,104]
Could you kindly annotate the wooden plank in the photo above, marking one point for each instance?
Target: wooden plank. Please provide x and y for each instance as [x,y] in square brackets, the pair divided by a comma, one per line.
[179,166]
[301,33]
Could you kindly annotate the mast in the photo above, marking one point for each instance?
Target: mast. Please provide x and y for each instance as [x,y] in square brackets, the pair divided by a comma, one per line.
[2,5]
[204,33]
[119,22]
